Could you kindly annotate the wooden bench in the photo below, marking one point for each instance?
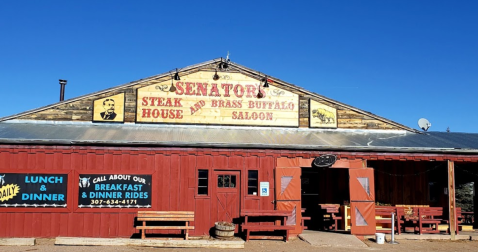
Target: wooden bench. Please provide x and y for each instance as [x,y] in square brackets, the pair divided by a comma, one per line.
[257,221]
[429,218]
[467,217]
[165,216]
[383,218]
[403,214]
[303,219]
[330,212]
[407,217]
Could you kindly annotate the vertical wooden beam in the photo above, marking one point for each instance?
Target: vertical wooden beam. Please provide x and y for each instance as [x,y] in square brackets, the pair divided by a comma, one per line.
[451,198]
[475,202]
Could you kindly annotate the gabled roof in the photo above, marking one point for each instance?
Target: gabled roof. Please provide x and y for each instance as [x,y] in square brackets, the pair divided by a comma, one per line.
[16,129]
[247,71]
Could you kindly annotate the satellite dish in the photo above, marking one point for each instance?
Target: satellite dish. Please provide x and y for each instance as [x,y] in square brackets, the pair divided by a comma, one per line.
[424,124]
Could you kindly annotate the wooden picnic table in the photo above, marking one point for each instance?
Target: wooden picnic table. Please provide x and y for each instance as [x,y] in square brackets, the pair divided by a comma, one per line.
[332,210]
[467,217]
[265,220]
[425,219]
[383,218]
[422,219]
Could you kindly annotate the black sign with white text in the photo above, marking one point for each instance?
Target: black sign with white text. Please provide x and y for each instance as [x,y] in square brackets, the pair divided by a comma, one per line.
[33,190]
[114,190]
[326,160]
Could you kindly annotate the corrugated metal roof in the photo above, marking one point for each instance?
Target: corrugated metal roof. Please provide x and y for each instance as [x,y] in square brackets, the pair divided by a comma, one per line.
[236,137]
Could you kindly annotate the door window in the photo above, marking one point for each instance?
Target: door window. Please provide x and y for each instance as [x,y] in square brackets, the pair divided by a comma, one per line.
[359,219]
[284,182]
[226,181]
[365,184]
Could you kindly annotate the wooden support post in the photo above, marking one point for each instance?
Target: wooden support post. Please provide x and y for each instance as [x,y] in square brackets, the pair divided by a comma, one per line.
[143,231]
[451,198]
[187,230]
[475,203]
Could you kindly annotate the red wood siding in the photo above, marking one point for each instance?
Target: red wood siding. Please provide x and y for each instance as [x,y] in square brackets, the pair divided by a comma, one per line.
[174,175]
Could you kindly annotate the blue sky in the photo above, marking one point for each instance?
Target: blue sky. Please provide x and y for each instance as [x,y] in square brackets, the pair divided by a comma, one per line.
[401,60]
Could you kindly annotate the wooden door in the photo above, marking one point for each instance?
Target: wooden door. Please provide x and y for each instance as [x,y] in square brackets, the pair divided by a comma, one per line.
[288,195]
[362,201]
[226,197]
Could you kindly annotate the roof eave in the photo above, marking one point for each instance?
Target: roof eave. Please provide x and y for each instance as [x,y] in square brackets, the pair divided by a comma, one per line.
[176,144]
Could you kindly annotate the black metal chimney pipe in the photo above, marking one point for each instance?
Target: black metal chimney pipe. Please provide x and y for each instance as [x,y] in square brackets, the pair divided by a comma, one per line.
[62,89]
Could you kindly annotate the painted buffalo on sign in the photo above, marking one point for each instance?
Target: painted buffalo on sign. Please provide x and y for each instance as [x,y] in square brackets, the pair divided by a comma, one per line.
[324,115]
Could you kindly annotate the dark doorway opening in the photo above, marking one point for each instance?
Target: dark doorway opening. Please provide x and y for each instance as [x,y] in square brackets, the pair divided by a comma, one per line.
[466,181]
[323,186]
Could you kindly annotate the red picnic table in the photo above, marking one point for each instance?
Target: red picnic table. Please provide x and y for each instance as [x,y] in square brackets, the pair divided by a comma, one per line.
[265,220]
[467,217]
[332,210]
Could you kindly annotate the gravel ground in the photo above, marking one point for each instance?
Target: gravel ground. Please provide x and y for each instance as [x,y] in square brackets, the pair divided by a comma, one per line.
[47,245]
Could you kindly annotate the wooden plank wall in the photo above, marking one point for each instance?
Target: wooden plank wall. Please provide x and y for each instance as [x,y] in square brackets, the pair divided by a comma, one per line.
[174,174]
[407,182]
[81,110]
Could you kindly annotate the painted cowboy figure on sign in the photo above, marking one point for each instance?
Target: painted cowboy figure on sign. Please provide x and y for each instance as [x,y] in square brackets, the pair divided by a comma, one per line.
[109,113]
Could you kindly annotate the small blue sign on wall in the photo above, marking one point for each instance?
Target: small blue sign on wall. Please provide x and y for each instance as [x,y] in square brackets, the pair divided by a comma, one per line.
[264,186]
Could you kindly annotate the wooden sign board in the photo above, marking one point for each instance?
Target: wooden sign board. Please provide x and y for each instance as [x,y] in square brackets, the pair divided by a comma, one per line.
[109,109]
[231,100]
[322,116]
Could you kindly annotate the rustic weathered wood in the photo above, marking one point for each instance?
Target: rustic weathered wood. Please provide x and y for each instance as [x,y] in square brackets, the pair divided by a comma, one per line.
[199,99]
[383,218]
[428,216]
[304,122]
[165,227]
[329,211]
[257,227]
[17,241]
[451,198]
[173,218]
[458,221]
[81,110]
[279,215]
[182,216]
[304,108]
[164,213]
[74,241]
[252,212]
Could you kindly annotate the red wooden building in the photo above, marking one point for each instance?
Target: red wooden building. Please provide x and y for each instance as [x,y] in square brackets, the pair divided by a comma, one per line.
[214,138]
